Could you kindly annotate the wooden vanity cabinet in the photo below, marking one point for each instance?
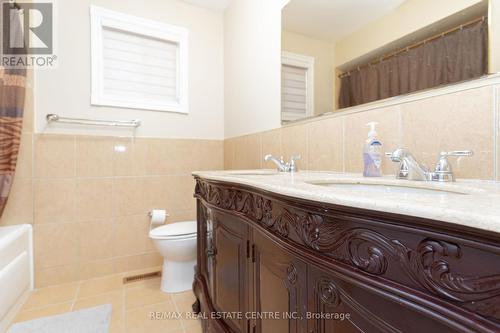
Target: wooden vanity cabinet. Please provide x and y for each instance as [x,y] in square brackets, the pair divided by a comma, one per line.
[274,264]
[279,287]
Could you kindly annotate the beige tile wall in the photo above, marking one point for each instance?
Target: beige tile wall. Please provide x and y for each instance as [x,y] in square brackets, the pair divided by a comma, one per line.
[91,200]
[88,201]
[457,121]
[453,122]
[326,145]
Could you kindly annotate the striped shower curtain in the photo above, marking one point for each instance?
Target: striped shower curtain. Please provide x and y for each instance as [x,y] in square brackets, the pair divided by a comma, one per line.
[12,93]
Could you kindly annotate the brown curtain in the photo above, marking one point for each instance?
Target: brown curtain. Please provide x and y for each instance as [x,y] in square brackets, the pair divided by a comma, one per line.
[12,93]
[457,56]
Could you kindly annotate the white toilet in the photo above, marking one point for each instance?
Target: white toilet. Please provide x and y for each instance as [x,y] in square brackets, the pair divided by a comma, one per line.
[177,244]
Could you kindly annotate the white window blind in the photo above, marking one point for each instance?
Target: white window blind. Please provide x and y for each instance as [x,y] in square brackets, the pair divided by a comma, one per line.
[294,92]
[296,86]
[138,63]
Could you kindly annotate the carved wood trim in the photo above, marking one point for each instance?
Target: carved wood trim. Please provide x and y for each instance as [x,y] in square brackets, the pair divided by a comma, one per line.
[291,274]
[429,265]
[328,292]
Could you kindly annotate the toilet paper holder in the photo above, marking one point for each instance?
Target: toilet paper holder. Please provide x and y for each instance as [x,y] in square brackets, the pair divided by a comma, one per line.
[150,214]
[157,220]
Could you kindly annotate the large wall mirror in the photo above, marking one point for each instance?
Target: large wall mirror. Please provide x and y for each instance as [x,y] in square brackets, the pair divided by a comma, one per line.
[343,53]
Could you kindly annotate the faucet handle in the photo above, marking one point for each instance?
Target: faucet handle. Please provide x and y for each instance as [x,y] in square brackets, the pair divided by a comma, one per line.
[292,164]
[443,171]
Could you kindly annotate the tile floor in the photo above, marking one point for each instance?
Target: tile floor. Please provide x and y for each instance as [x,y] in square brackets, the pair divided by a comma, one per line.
[132,304]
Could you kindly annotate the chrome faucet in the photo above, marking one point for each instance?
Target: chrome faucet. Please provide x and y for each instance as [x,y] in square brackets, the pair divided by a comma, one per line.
[410,169]
[282,165]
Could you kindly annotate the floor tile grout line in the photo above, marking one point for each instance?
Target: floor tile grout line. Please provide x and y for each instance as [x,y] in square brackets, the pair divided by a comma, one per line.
[57,285]
[36,308]
[178,311]
[107,292]
[76,296]
[73,300]
[147,305]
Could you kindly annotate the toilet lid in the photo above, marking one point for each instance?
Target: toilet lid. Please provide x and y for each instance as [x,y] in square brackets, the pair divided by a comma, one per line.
[173,230]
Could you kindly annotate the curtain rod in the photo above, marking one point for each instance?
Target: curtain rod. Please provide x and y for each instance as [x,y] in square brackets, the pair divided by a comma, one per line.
[414,45]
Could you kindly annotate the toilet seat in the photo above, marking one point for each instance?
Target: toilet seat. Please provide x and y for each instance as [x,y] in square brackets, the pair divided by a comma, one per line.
[178,230]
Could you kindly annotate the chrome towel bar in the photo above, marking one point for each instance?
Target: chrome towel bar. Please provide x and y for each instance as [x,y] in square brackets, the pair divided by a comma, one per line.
[96,122]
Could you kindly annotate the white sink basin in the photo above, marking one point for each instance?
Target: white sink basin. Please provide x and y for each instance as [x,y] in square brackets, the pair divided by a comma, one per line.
[372,187]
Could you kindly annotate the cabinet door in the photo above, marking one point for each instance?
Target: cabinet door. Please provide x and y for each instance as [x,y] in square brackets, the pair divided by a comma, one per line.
[279,284]
[230,269]
[337,305]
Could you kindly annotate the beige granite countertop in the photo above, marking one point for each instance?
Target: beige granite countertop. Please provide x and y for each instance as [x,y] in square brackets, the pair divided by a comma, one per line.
[470,203]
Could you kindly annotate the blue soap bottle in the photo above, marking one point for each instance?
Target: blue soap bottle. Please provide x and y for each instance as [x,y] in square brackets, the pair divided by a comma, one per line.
[372,153]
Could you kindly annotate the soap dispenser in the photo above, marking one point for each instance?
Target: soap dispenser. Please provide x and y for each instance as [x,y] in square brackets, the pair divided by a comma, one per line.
[372,153]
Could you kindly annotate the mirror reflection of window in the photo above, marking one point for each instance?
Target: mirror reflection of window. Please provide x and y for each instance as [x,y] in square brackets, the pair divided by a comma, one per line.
[297,86]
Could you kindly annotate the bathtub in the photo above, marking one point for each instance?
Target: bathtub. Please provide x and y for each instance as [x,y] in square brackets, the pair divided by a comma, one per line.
[16,270]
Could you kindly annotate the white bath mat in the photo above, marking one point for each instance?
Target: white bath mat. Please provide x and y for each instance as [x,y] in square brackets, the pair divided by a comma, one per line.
[93,320]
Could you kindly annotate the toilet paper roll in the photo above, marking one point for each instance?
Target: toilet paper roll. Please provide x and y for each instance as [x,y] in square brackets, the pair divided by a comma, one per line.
[158,216]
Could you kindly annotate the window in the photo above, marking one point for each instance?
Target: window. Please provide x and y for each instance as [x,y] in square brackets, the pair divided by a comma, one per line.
[138,63]
[297,89]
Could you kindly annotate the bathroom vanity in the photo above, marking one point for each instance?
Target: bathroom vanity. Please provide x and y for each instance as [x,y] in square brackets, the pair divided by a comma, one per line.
[318,252]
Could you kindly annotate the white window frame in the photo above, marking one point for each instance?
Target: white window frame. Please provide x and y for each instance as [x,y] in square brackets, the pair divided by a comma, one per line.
[306,62]
[103,18]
